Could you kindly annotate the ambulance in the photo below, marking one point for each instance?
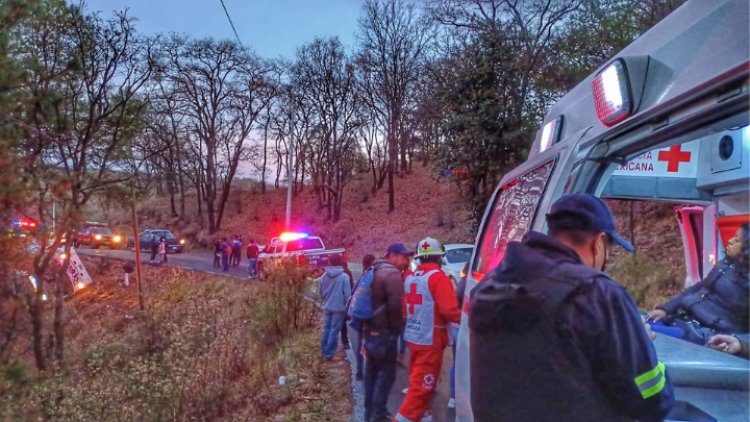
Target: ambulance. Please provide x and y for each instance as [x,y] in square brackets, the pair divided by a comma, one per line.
[666,119]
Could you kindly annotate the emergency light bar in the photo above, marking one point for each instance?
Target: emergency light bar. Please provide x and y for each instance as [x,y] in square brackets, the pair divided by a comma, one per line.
[289,236]
[612,94]
[550,133]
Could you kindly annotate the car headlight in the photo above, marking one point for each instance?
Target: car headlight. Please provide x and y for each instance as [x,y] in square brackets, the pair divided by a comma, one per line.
[98,237]
[117,239]
[182,241]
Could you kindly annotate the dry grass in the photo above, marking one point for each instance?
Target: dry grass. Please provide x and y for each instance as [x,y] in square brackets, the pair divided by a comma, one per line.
[657,271]
[194,354]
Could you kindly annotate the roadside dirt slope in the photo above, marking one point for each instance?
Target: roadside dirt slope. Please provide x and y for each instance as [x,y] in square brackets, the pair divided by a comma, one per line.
[426,205]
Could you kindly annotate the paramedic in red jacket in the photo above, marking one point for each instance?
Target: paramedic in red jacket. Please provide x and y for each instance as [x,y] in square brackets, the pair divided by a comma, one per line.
[430,306]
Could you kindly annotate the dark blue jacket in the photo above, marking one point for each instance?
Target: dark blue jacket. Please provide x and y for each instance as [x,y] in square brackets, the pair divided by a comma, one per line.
[720,301]
[555,340]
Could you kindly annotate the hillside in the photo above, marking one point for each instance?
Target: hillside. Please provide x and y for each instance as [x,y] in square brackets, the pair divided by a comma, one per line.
[426,205]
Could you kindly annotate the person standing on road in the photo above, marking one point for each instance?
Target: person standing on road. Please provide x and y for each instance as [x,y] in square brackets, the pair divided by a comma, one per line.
[217,253]
[252,258]
[382,331]
[431,305]
[226,252]
[234,258]
[334,291]
[553,338]
[163,250]
[154,248]
[344,328]
[367,262]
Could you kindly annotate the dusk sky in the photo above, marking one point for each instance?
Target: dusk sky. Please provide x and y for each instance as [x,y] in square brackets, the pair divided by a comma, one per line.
[273,28]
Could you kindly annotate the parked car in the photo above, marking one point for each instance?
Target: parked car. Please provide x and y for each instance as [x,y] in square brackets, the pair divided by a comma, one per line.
[174,245]
[301,247]
[455,258]
[96,235]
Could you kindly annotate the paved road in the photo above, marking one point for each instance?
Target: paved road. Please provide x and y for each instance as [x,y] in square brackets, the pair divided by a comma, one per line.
[196,261]
[203,261]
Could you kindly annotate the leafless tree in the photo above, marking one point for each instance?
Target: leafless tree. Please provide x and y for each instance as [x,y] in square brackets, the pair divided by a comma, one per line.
[394,40]
[222,90]
[324,96]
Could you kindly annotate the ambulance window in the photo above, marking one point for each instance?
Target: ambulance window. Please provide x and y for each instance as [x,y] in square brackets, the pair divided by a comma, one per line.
[512,215]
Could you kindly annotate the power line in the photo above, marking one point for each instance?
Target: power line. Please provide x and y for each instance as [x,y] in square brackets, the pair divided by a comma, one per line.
[231,23]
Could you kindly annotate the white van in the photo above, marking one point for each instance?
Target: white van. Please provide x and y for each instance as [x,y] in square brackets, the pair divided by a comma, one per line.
[666,119]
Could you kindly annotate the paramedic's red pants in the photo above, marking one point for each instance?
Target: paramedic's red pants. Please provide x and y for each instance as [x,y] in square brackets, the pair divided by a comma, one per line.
[424,369]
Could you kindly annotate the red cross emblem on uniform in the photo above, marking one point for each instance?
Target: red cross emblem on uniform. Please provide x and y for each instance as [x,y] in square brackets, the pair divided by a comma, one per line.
[425,246]
[413,299]
[674,157]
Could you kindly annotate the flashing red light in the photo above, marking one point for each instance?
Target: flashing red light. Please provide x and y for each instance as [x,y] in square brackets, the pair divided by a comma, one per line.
[25,223]
[290,236]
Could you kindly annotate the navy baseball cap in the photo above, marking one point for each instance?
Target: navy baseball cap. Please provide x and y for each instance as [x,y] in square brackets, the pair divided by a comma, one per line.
[399,248]
[593,213]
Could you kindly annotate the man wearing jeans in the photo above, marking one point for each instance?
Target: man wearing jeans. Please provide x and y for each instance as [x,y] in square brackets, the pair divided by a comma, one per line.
[334,290]
[382,331]
[252,258]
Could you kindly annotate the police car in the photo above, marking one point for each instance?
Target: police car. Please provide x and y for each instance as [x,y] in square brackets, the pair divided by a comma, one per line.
[299,247]
[665,119]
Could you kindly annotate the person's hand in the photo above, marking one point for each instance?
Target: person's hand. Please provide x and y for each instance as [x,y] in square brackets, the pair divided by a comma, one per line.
[657,314]
[725,343]
[650,333]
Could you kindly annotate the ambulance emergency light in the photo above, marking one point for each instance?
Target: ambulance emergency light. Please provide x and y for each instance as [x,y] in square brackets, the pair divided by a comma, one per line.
[550,133]
[612,94]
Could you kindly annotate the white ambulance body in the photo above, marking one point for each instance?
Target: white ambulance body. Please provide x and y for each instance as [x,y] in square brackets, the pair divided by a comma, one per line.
[666,119]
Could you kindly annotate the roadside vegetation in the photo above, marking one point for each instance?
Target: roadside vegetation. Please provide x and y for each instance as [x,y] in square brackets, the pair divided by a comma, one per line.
[205,348]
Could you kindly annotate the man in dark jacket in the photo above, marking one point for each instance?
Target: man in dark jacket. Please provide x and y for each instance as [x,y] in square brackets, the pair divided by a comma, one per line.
[154,248]
[252,258]
[553,338]
[382,331]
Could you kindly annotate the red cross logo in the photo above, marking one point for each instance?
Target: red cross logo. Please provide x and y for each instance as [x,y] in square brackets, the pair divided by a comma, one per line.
[425,245]
[413,299]
[674,157]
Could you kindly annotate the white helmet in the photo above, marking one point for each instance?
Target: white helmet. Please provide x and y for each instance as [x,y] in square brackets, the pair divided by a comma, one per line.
[429,247]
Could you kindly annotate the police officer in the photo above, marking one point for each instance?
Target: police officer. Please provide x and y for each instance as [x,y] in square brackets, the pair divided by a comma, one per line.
[430,305]
[553,338]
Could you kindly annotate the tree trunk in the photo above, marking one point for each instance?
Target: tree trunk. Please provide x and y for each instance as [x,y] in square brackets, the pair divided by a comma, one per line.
[58,326]
[172,203]
[265,159]
[182,197]
[36,311]
[392,163]
[199,200]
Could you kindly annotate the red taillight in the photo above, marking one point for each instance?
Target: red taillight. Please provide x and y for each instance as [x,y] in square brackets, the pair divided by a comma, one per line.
[510,184]
[612,95]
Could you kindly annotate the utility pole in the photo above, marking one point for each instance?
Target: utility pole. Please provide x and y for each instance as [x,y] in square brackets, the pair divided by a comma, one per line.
[137,243]
[290,184]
